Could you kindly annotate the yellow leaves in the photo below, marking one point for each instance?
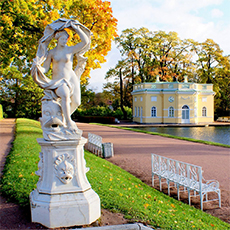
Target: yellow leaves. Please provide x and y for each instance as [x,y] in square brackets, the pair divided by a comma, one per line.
[173,205]
[54,15]
[7,20]
[20,175]
[110,179]
[94,14]
[120,194]
[146,205]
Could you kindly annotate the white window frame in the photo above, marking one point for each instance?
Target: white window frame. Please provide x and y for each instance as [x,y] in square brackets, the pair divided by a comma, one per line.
[154,111]
[171,111]
[204,111]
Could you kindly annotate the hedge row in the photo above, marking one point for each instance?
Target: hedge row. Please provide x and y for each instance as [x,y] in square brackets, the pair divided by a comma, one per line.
[96,119]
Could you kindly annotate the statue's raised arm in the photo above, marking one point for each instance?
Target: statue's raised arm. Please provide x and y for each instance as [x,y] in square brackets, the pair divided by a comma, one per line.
[62,93]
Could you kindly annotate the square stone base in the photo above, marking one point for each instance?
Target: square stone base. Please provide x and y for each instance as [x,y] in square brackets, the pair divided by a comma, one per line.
[65,210]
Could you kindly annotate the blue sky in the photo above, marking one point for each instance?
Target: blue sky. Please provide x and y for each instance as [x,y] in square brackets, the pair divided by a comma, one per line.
[194,19]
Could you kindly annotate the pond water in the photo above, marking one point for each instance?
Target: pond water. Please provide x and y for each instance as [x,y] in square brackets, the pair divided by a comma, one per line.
[219,134]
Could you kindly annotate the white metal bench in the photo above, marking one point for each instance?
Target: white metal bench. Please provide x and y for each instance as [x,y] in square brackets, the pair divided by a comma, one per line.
[183,174]
[96,146]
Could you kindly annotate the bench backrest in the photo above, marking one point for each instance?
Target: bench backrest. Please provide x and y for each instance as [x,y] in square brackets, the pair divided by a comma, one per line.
[183,172]
[95,139]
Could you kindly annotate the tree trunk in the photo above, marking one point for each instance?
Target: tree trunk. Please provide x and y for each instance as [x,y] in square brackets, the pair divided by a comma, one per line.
[121,95]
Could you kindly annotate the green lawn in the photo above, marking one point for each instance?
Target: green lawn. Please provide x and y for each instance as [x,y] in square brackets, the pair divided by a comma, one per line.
[119,191]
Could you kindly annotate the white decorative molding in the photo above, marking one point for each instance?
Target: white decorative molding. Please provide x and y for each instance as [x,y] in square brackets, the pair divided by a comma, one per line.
[204,99]
[185,98]
[171,99]
[64,167]
[153,98]
[63,196]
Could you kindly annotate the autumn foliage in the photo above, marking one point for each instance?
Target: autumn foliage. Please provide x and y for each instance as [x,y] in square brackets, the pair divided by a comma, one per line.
[23,23]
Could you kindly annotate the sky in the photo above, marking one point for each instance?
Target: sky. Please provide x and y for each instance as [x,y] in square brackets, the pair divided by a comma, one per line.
[191,19]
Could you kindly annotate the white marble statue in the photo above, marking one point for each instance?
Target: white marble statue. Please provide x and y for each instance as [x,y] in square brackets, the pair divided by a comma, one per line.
[62,93]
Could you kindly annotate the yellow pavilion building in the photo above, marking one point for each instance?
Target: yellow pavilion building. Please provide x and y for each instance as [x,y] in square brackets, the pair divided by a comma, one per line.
[173,102]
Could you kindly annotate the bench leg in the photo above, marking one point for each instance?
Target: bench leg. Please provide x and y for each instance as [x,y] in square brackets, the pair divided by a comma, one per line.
[160,183]
[219,196]
[189,198]
[153,180]
[168,182]
[201,201]
[178,191]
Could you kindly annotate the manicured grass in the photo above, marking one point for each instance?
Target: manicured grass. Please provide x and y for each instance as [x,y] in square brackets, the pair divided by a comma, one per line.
[167,135]
[119,191]
[19,177]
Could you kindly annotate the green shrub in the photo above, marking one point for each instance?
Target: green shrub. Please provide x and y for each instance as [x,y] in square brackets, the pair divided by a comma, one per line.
[97,119]
[103,112]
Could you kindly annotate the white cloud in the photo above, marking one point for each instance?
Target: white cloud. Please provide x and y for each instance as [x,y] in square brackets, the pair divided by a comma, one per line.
[216,13]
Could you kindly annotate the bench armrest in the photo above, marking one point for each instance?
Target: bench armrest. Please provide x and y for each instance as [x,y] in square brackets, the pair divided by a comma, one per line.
[211,184]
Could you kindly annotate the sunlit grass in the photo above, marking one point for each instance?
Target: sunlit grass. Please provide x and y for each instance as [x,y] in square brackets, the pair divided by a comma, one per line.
[119,191]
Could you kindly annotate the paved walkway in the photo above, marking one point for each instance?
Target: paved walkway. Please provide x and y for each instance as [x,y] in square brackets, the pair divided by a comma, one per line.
[133,153]
[7,127]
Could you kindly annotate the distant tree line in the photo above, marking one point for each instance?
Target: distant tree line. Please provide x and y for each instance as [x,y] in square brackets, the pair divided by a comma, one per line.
[146,54]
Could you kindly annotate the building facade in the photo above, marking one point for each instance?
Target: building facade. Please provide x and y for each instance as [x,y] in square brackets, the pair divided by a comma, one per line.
[173,102]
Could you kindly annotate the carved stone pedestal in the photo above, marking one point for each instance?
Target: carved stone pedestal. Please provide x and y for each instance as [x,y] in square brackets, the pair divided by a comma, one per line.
[63,197]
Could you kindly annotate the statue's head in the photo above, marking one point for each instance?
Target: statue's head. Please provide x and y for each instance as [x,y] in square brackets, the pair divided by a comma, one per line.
[61,34]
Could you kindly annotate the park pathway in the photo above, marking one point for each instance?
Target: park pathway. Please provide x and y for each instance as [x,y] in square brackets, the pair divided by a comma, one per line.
[7,127]
[133,152]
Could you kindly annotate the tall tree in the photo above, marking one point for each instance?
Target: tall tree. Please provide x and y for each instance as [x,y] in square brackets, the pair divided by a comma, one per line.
[130,43]
[168,55]
[213,67]
[22,24]
[156,53]
[119,74]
